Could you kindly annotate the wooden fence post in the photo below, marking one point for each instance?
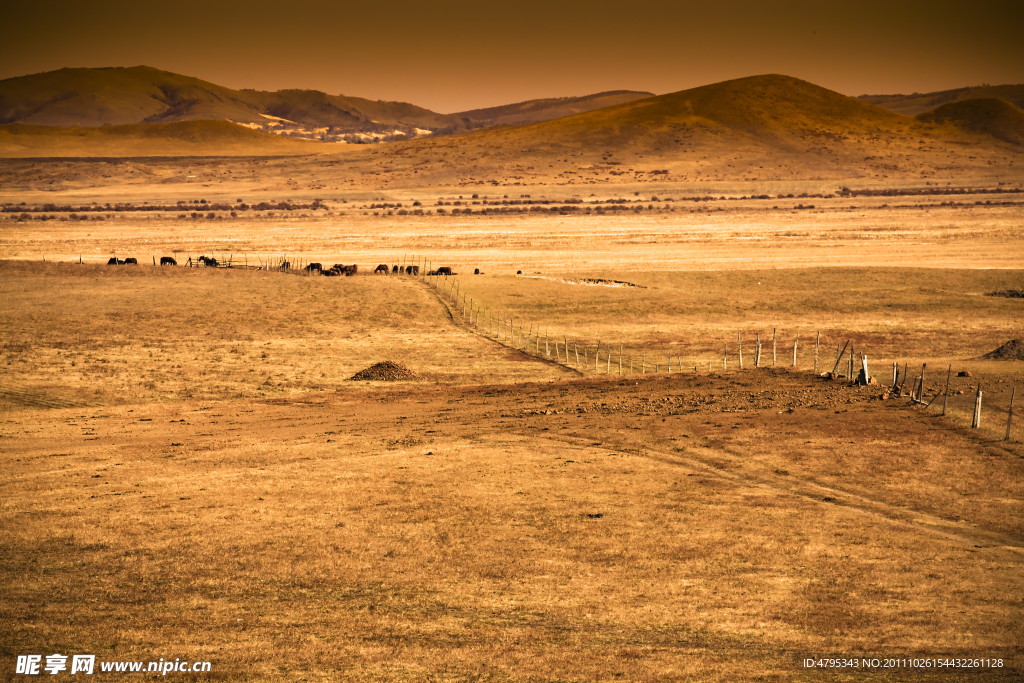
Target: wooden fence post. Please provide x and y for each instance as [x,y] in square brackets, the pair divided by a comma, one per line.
[620,359]
[920,390]
[725,357]
[945,394]
[608,364]
[757,350]
[643,364]
[575,350]
[670,363]
[773,347]
[817,342]
[895,373]
[1009,415]
[547,349]
[795,341]
[864,368]
[597,354]
[977,409]
[839,358]
[739,349]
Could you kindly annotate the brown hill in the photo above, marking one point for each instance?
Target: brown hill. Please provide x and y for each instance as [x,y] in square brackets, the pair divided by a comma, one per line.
[917,103]
[533,111]
[762,129]
[141,94]
[182,138]
[996,118]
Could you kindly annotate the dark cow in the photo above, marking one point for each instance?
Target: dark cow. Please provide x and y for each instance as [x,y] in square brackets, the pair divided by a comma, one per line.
[330,272]
[167,261]
[408,270]
[284,265]
[394,269]
[415,270]
[131,260]
[314,268]
[208,261]
[114,261]
[443,270]
[351,270]
[476,271]
[382,268]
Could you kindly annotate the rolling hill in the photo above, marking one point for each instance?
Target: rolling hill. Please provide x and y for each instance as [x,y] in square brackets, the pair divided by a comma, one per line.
[917,103]
[141,94]
[991,117]
[759,129]
[533,111]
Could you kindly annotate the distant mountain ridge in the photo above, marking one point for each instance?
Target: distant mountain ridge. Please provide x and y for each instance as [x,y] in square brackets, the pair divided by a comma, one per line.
[533,111]
[80,97]
[917,103]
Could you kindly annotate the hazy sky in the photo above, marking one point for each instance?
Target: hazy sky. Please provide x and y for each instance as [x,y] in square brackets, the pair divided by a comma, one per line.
[450,56]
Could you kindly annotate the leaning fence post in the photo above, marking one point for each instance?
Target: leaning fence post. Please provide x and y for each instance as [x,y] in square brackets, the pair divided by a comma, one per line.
[1009,416]
[945,395]
[839,358]
[757,350]
[977,409]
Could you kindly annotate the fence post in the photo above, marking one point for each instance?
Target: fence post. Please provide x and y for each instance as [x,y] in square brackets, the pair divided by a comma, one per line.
[576,350]
[945,395]
[895,373]
[725,357]
[817,341]
[920,390]
[739,350]
[757,350]
[864,368]
[773,347]
[620,359]
[608,363]
[977,409]
[839,358]
[795,341]
[597,354]
[643,364]
[670,363]
[1009,416]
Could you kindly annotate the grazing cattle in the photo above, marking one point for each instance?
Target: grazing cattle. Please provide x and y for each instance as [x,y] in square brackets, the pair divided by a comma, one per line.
[208,261]
[476,271]
[330,272]
[408,270]
[131,260]
[351,270]
[382,268]
[114,261]
[167,261]
[314,268]
[394,269]
[443,270]
[285,265]
[415,270]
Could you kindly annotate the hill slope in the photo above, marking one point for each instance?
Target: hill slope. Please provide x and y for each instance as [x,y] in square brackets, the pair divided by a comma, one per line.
[911,105]
[996,118]
[141,94]
[181,138]
[759,129]
[533,111]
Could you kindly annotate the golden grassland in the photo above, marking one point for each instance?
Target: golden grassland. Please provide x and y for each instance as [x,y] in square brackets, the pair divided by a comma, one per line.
[192,475]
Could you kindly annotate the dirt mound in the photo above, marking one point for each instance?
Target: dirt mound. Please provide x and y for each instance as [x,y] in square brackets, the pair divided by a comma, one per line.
[384,371]
[1008,293]
[1011,350]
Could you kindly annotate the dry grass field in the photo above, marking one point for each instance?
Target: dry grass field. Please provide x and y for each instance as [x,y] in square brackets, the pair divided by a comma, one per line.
[191,474]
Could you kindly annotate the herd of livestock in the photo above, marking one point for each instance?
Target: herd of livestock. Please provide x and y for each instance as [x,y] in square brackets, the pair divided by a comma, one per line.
[336,270]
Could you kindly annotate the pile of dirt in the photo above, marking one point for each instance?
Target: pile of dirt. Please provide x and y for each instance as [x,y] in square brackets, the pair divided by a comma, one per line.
[1011,350]
[384,371]
[1008,293]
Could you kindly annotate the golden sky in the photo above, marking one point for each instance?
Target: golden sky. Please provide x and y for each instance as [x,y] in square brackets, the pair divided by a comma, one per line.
[451,56]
